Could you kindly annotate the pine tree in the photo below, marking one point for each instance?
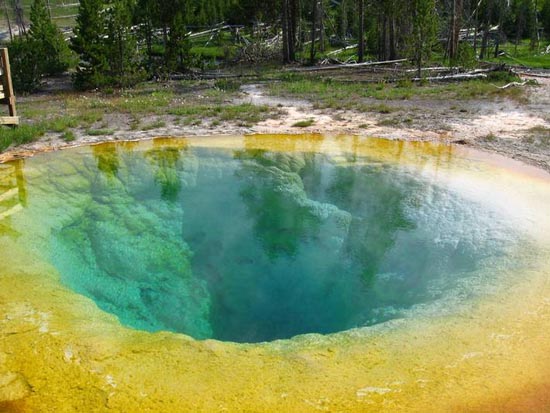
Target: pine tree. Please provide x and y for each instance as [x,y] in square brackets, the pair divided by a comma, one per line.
[40,51]
[424,30]
[88,42]
[177,48]
[121,44]
[54,52]
[177,14]
[146,15]
[545,17]
[105,44]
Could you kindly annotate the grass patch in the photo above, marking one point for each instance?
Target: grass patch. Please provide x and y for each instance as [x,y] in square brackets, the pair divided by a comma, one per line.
[154,125]
[491,137]
[304,123]
[243,113]
[540,130]
[389,122]
[88,118]
[20,135]
[100,132]
[68,136]
[354,96]
[538,136]
[193,102]
[522,55]
[379,108]
[62,123]
[227,85]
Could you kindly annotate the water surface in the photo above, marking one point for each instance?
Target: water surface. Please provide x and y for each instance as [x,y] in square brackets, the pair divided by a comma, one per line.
[249,244]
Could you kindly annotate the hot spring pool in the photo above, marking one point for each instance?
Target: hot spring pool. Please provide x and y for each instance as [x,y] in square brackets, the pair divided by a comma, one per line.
[410,248]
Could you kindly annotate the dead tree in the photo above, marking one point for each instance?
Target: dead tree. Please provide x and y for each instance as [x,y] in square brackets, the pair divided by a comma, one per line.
[6,12]
[19,17]
[289,24]
[454,32]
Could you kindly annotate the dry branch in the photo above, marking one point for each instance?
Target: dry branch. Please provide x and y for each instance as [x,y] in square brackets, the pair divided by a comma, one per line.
[513,84]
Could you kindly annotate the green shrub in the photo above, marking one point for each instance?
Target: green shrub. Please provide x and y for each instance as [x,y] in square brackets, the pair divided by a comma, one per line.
[26,69]
[465,56]
[54,54]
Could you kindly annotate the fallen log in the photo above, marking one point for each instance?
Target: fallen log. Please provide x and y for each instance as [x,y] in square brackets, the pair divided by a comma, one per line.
[206,32]
[451,78]
[435,69]
[335,52]
[532,74]
[344,66]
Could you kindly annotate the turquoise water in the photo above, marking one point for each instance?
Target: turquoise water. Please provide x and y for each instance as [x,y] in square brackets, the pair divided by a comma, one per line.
[253,245]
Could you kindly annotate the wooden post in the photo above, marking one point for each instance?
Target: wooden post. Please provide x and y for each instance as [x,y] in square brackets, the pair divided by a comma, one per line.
[8,97]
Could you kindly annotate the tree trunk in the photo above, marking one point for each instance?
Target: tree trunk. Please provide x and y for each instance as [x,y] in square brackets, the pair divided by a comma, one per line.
[484,41]
[285,26]
[8,19]
[392,39]
[535,37]
[20,17]
[289,23]
[361,50]
[321,26]
[343,20]
[49,8]
[383,53]
[475,32]
[313,32]
[454,32]
[293,24]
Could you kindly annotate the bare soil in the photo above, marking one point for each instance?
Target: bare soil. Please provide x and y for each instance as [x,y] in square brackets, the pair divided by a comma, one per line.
[520,130]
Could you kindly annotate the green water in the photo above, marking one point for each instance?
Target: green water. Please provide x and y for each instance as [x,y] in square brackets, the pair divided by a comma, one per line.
[253,245]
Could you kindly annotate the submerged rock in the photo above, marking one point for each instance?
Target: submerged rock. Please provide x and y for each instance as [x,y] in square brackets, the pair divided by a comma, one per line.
[126,251]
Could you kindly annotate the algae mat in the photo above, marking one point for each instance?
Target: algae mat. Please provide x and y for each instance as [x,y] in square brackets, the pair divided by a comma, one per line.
[274,273]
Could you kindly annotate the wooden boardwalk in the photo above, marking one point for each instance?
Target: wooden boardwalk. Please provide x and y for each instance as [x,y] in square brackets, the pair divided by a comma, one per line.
[7,96]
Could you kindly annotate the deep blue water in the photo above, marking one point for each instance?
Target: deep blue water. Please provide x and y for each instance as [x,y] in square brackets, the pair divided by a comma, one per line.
[253,245]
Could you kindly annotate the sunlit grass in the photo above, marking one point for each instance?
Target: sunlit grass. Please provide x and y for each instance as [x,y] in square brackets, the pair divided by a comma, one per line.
[333,94]
[20,135]
[304,123]
[523,55]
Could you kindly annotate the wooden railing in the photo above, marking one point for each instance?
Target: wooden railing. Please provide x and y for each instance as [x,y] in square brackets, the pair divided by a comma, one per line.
[7,96]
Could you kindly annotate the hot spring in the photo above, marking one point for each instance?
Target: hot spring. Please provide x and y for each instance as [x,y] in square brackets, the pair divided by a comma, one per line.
[266,238]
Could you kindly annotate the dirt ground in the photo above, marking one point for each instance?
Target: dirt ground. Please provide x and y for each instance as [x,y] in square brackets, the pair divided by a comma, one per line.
[511,128]
[520,130]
